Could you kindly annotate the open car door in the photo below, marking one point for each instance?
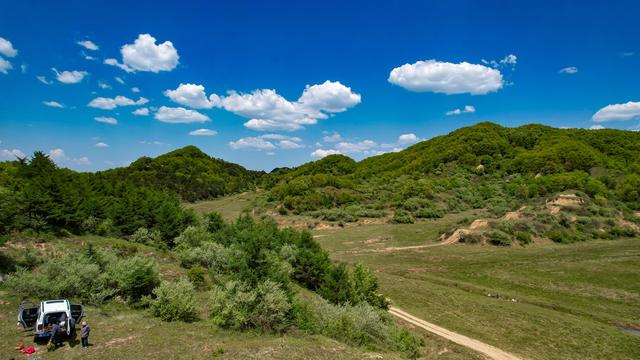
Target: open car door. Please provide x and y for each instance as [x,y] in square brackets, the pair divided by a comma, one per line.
[27,314]
[77,312]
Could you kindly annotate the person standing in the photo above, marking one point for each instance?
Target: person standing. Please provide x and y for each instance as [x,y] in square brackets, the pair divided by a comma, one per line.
[84,334]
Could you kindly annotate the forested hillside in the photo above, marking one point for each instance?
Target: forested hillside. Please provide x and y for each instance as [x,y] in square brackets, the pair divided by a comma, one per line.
[189,173]
[482,166]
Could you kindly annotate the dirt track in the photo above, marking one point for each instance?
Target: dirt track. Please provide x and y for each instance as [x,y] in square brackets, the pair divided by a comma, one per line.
[486,349]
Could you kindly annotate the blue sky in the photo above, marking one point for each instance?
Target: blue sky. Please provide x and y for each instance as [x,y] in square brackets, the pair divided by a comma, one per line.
[282,83]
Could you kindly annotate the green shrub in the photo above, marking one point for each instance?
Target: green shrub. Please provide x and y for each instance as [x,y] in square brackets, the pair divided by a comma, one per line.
[197,276]
[523,237]
[146,236]
[365,287]
[499,238]
[210,255]
[213,222]
[134,277]
[428,213]
[235,305]
[359,325]
[106,228]
[402,217]
[192,236]
[470,238]
[174,301]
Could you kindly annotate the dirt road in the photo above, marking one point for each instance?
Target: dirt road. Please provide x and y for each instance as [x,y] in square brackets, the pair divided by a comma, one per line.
[486,349]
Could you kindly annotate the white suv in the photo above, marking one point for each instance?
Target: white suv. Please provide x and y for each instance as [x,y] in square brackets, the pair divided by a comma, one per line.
[48,313]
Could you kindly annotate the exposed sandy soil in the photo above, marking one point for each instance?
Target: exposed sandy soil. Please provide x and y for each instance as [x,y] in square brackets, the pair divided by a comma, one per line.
[491,351]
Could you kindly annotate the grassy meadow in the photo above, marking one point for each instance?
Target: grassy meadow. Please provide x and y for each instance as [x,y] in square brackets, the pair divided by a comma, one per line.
[543,301]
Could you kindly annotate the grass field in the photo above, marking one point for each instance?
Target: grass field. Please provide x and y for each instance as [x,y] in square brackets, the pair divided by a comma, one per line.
[545,301]
[120,332]
[229,206]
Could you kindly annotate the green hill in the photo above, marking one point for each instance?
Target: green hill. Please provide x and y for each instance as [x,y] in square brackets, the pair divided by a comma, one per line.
[189,173]
[485,166]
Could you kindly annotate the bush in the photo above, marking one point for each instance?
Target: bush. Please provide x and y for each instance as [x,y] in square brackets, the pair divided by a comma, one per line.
[192,236]
[470,238]
[402,217]
[146,236]
[499,238]
[210,255]
[134,277]
[360,325]
[237,306]
[174,301]
[213,222]
[196,276]
[523,237]
[428,213]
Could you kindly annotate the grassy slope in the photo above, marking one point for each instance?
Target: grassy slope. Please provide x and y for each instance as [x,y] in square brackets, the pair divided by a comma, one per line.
[566,296]
[121,332]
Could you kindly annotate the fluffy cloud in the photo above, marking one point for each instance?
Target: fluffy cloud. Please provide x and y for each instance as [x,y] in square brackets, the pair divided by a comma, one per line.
[203,132]
[88,44]
[103,85]
[329,96]
[568,70]
[509,60]
[6,48]
[53,104]
[467,109]
[5,66]
[364,146]
[190,95]
[141,112]
[447,78]
[331,136]
[179,115]
[59,156]
[618,112]
[320,153]
[255,143]
[70,77]
[289,145]
[145,55]
[102,145]
[106,120]
[11,154]
[267,110]
[135,90]
[112,103]
[405,139]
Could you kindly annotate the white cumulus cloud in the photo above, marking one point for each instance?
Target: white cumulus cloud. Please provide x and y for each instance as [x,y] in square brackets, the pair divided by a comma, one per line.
[106,120]
[190,95]
[320,153]
[447,78]
[112,103]
[179,115]
[135,90]
[53,104]
[5,66]
[255,143]
[141,112]
[618,112]
[88,44]
[331,136]
[405,139]
[102,145]
[145,55]
[203,132]
[11,154]
[60,157]
[466,110]
[6,48]
[364,146]
[269,111]
[596,127]
[69,77]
